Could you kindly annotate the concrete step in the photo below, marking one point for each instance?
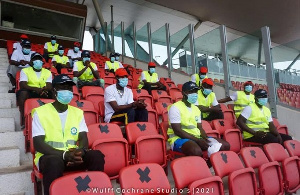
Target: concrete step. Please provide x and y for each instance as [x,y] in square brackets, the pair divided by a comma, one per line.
[4,79]
[4,89]
[5,104]
[11,113]
[10,96]
[7,125]
[16,180]
[11,156]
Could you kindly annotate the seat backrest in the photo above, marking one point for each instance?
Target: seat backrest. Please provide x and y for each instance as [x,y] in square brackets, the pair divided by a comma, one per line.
[164,128]
[234,138]
[206,126]
[159,95]
[103,131]
[293,147]
[34,103]
[92,90]
[81,183]
[137,129]
[90,114]
[76,94]
[161,107]
[223,107]
[276,122]
[253,157]
[229,116]
[275,152]
[225,162]
[222,125]
[189,169]
[139,92]
[176,95]
[152,117]
[145,176]
[230,106]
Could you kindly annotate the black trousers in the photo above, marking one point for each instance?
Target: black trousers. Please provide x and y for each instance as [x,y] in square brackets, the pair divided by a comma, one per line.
[269,138]
[52,166]
[213,116]
[131,115]
[80,83]
[149,88]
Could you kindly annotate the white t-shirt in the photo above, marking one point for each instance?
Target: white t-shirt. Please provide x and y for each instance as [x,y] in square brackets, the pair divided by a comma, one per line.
[17,46]
[120,65]
[111,94]
[75,67]
[23,76]
[73,55]
[54,60]
[37,128]
[193,79]
[18,55]
[144,78]
[214,103]
[174,114]
[234,96]
[248,110]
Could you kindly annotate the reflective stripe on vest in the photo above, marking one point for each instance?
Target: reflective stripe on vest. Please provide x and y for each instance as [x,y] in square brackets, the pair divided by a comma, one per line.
[88,74]
[51,48]
[207,102]
[198,80]
[149,78]
[258,120]
[55,136]
[189,120]
[114,66]
[241,102]
[61,60]
[33,80]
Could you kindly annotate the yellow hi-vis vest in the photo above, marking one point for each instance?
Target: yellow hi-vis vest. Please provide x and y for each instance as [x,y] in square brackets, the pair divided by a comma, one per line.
[198,80]
[258,120]
[114,66]
[61,60]
[241,102]
[33,80]
[55,136]
[88,74]
[51,48]
[207,102]
[149,78]
[189,120]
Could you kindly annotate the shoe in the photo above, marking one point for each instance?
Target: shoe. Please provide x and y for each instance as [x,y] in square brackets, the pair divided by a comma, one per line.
[13,90]
[22,127]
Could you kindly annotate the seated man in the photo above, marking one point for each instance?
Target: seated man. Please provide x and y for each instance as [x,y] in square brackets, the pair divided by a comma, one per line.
[59,136]
[74,55]
[112,65]
[119,104]
[35,82]
[50,48]
[117,56]
[198,78]
[86,72]
[17,45]
[185,131]
[257,124]
[149,79]
[207,102]
[241,98]
[19,59]
[60,61]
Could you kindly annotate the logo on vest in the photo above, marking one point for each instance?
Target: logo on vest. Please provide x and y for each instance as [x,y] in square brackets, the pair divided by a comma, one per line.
[196,118]
[73,130]
[91,73]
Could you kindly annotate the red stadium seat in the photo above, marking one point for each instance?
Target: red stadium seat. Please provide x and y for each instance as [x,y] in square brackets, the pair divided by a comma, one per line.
[290,165]
[222,125]
[161,107]
[93,94]
[76,95]
[230,106]
[17,81]
[142,94]
[208,130]
[280,128]
[234,138]
[270,178]
[90,114]
[293,147]
[161,96]
[229,116]
[152,117]
[176,95]
[67,71]
[223,107]
[241,180]
[195,175]
[146,176]
[180,86]
[88,181]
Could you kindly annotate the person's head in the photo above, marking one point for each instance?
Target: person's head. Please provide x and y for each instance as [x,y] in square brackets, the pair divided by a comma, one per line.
[117,56]
[86,56]
[76,47]
[63,88]
[151,67]
[207,85]
[36,61]
[53,39]
[248,86]
[202,72]
[261,97]
[23,37]
[26,47]
[190,92]
[112,57]
[122,77]
[61,50]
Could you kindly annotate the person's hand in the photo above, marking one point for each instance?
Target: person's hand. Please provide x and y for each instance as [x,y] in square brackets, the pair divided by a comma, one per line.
[202,143]
[74,156]
[22,62]
[141,103]
[87,64]
[216,109]
[279,138]
[38,90]
[260,134]
[44,93]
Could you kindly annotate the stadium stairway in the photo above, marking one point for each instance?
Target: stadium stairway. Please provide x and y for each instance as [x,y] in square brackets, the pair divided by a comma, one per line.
[15,164]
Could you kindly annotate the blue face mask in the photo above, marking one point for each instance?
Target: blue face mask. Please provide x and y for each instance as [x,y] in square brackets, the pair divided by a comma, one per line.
[192,98]
[26,51]
[202,76]
[152,70]
[76,49]
[117,58]
[64,96]
[61,52]
[86,59]
[112,59]
[123,82]
[207,91]
[248,88]
[37,64]
[262,101]
[53,42]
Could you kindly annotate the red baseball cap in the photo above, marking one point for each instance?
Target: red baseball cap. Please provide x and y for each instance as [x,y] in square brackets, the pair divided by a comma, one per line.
[208,81]
[151,64]
[248,83]
[23,36]
[121,72]
[203,70]
[77,44]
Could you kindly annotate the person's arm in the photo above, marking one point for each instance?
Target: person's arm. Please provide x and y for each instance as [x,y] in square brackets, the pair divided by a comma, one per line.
[68,65]
[15,63]
[224,100]
[203,133]
[24,85]
[241,122]
[54,63]
[42,147]
[95,72]
[118,108]
[204,108]
[78,74]
[83,140]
